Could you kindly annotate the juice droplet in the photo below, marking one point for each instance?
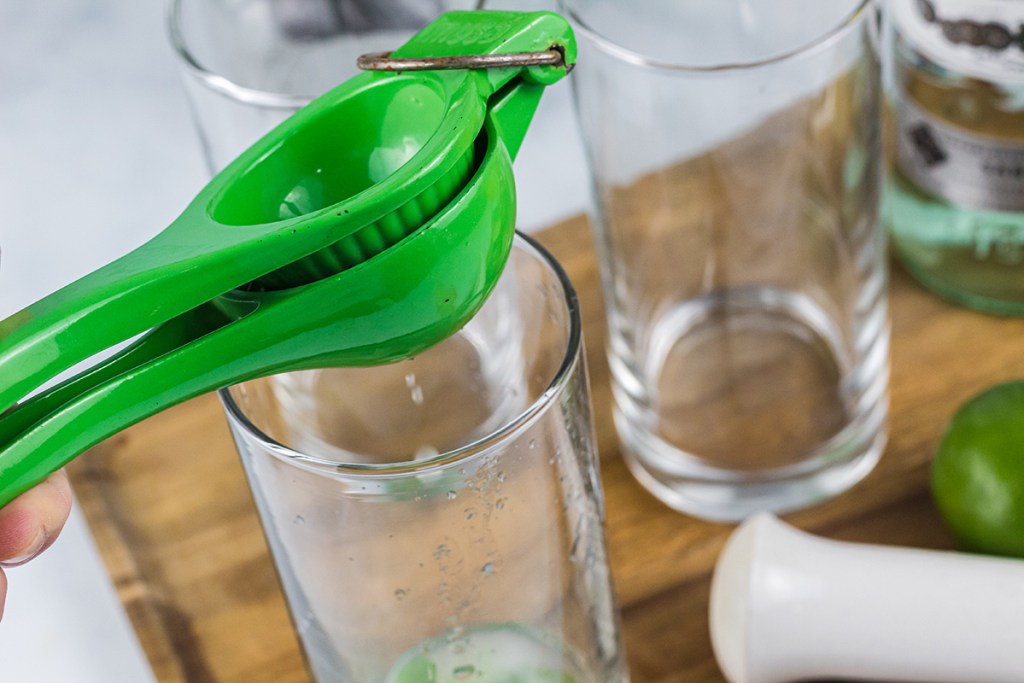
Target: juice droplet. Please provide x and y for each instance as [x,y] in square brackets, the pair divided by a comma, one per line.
[417,390]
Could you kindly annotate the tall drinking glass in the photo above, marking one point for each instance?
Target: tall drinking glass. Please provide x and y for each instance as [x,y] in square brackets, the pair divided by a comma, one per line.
[433,520]
[734,147]
[440,519]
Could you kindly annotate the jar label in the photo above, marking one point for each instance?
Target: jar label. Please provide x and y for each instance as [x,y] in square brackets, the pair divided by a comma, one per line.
[957,165]
[979,38]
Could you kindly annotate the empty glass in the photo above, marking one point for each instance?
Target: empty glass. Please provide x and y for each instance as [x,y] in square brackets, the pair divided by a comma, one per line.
[735,152]
[440,519]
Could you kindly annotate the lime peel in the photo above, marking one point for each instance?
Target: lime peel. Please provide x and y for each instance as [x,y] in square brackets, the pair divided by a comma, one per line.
[978,472]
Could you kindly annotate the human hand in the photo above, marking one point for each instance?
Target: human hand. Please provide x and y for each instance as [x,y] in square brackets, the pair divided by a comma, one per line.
[30,523]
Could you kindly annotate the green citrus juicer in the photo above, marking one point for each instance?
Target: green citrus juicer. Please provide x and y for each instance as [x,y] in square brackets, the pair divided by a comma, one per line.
[366,228]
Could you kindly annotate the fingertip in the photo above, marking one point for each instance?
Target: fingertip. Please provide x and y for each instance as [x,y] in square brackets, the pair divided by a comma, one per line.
[31,523]
[22,533]
[63,499]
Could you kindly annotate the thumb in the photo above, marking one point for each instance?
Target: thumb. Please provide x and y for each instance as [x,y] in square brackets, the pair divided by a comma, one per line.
[31,522]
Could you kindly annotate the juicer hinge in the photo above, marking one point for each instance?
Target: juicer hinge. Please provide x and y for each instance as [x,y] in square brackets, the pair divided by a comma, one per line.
[381,61]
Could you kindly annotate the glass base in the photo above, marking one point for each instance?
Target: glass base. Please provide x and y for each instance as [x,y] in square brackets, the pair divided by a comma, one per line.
[968,256]
[491,654]
[750,401]
[936,281]
[721,500]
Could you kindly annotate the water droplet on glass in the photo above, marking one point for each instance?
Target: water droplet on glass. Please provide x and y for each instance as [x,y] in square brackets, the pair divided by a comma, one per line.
[441,551]
[499,504]
[501,476]
[464,672]
[469,513]
[306,622]
[400,593]
[417,390]
[300,520]
[488,569]
[452,495]
[425,452]
[533,443]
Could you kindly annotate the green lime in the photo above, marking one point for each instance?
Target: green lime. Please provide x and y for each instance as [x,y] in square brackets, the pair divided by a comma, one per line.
[978,472]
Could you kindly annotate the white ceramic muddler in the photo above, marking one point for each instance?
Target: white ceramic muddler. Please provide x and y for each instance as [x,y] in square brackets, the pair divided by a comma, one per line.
[788,606]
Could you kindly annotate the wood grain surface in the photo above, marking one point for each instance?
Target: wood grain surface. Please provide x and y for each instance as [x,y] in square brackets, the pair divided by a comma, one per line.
[171,512]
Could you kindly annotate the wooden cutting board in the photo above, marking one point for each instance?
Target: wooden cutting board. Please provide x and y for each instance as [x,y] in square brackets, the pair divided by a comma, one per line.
[171,512]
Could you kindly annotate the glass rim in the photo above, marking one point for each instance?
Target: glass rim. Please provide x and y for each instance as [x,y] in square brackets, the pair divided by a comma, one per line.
[220,83]
[483,444]
[819,42]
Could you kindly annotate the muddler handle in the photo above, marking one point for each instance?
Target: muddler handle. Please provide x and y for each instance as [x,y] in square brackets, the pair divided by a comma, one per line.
[788,606]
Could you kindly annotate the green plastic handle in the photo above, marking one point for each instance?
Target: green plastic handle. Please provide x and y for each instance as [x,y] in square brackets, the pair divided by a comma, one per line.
[230,234]
[435,282]
[430,277]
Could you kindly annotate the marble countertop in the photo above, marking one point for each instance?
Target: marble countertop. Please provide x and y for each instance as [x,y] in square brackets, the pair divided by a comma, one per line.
[97,154]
